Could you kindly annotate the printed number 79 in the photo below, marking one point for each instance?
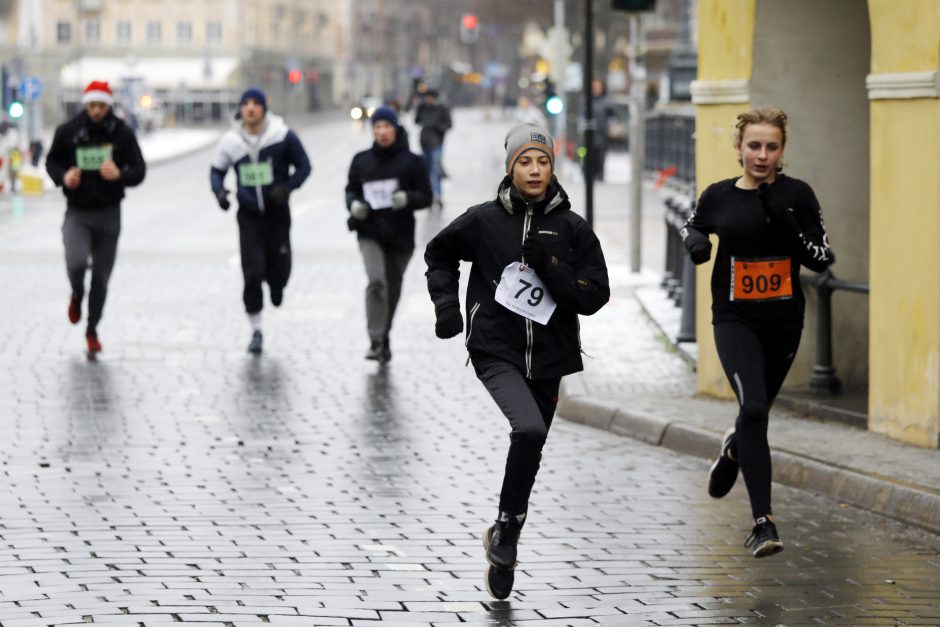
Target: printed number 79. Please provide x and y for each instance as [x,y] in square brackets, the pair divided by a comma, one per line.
[535,296]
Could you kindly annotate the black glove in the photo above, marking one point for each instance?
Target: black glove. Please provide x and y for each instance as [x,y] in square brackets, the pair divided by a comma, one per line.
[535,251]
[278,195]
[700,251]
[221,196]
[449,321]
[775,208]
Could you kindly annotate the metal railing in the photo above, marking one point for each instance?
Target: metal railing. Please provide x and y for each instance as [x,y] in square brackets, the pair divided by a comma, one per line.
[670,156]
[823,379]
[670,145]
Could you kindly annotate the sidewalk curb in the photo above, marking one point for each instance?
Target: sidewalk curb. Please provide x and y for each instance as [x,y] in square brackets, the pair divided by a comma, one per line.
[189,151]
[912,504]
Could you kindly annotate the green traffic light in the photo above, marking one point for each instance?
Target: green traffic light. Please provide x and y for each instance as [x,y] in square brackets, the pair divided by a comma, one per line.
[16,109]
[554,105]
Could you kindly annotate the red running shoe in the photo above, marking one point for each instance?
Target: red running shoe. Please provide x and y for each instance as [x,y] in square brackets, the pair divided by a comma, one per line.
[94,346]
[75,310]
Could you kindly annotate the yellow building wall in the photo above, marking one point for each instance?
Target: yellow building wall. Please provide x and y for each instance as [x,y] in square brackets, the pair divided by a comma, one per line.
[904,386]
[725,40]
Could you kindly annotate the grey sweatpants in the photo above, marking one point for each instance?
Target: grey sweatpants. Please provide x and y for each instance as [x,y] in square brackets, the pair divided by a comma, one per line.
[91,234]
[385,271]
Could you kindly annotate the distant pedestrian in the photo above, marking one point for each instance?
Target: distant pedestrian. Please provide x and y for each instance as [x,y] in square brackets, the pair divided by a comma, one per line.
[270,163]
[535,267]
[94,157]
[768,225]
[435,120]
[526,113]
[386,184]
[602,114]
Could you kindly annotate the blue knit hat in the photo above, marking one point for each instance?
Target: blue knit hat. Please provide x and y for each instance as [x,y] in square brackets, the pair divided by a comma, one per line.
[254,93]
[386,114]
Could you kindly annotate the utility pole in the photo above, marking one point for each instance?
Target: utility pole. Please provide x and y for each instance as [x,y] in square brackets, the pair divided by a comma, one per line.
[637,138]
[559,72]
[589,123]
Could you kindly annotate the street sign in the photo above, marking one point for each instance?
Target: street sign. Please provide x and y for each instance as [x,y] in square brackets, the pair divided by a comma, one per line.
[30,88]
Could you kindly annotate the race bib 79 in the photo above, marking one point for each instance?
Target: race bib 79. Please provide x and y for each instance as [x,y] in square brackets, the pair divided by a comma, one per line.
[521,290]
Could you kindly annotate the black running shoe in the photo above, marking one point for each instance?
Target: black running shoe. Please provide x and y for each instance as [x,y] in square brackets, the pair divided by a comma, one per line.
[764,540]
[724,472]
[499,581]
[375,351]
[254,347]
[500,540]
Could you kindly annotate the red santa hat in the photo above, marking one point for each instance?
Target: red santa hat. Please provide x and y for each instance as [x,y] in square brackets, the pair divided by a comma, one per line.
[98,91]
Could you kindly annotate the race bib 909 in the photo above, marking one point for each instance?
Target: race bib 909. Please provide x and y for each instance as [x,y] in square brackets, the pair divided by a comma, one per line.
[521,290]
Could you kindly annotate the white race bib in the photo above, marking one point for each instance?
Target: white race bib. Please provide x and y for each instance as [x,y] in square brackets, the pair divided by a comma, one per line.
[521,290]
[379,193]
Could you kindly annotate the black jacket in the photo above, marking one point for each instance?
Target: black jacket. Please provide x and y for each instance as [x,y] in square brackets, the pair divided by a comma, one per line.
[94,191]
[434,120]
[393,229]
[490,236]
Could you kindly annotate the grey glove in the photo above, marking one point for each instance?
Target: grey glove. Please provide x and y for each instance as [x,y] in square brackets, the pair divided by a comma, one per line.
[359,209]
[399,200]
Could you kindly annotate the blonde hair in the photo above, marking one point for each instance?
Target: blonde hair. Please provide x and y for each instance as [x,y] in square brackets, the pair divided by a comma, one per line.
[761,115]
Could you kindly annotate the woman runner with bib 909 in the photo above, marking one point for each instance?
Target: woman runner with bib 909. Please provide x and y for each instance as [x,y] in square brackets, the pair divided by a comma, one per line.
[768,225]
[535,267]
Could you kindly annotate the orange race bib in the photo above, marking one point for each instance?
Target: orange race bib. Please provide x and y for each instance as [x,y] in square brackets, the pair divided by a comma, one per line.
[761,279]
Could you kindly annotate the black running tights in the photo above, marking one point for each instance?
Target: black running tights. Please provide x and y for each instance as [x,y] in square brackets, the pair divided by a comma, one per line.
[756,362]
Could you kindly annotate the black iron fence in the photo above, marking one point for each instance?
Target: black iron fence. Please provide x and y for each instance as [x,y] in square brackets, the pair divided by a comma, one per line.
[670,147]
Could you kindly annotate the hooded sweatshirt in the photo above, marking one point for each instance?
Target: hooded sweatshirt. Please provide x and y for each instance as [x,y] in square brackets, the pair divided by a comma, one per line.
[272,152]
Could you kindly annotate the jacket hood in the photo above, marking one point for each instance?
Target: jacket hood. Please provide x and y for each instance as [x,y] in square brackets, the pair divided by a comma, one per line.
[272,125]
[509,198]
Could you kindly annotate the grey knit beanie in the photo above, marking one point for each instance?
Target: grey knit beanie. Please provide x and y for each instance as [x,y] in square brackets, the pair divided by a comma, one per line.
[525,137]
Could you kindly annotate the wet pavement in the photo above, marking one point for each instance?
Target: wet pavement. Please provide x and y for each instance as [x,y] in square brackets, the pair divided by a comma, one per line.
[178,479]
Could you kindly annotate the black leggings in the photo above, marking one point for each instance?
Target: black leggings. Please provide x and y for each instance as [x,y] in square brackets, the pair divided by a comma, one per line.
[756,362]
[91,234]
[265,252]
[530,406]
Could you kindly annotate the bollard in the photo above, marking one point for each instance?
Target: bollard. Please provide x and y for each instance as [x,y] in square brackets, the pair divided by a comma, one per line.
[823,378]
[687,321]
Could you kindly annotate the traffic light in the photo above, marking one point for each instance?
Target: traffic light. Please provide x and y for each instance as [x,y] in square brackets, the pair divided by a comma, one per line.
[553,104]
[633,5]
[15,108]
[294,76]
[469,28]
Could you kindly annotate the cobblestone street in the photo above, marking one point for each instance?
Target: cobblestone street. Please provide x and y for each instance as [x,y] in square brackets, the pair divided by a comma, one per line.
[180,480]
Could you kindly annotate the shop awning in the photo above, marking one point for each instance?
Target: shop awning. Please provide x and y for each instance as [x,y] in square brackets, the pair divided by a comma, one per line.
[155,73]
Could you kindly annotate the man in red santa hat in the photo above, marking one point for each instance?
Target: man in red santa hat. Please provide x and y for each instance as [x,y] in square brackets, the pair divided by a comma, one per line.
[94,156]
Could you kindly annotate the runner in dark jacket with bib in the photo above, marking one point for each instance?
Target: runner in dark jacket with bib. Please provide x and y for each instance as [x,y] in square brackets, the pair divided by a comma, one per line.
[94,157]
[536,266]
[386,184]
[270,163]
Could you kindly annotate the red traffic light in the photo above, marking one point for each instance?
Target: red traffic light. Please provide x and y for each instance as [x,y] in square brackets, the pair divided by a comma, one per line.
[294,76]
[470,21]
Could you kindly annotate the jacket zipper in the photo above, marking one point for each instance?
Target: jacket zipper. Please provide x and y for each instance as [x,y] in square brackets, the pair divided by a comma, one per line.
[529,333]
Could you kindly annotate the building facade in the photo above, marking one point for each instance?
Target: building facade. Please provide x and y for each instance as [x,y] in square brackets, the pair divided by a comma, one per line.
[859,80]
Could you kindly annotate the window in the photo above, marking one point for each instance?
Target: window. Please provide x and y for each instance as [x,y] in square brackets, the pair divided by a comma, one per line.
[123,33]
[63,32]
[154,33]
[214,33]
[92,32]
[184,33]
